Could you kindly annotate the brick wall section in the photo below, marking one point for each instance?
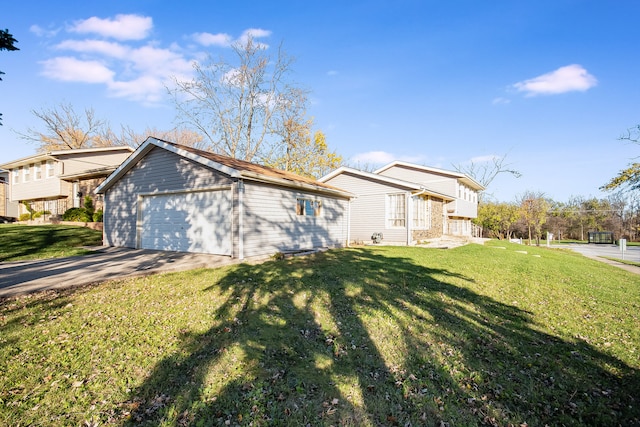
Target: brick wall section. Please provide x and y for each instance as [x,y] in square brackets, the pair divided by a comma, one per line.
[437,217]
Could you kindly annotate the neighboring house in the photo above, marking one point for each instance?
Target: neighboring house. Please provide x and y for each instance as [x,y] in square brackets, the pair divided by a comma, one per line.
[8,209]
[55,181]
[462,189]
[404,212]
[167,196]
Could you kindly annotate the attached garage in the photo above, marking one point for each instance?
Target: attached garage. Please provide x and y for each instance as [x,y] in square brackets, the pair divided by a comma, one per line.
[171,197]
[195,221]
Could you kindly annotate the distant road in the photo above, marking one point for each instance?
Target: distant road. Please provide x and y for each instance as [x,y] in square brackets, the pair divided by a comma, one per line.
[593,250]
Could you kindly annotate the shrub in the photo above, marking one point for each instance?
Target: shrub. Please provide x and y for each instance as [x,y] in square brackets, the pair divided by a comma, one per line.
[25,217]
[40,213]
[76,214]
[88,205]
[97,215]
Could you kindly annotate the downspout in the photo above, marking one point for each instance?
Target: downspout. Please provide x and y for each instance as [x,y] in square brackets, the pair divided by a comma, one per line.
[348,222]
[409,216]
[240,219]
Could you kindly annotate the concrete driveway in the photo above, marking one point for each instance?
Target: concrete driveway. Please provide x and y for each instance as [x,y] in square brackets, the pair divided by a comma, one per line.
[107,263]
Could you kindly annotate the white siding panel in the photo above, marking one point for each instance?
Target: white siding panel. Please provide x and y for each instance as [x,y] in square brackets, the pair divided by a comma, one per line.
[368,213]
[271,224]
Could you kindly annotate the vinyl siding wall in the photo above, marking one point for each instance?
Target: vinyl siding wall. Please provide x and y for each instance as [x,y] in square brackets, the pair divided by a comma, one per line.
[439,183]
[45,187]
[158,171]
[75,163]
[368,209]
[271,224]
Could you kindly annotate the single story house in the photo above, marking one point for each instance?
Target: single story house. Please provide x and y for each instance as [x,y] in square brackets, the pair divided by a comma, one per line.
[404,212]
[171,197]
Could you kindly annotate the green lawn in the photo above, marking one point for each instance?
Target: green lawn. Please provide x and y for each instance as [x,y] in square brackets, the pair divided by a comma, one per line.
[22,242]
[394,336]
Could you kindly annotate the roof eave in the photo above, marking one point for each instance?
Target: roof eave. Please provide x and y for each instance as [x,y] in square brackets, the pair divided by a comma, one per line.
[296,184]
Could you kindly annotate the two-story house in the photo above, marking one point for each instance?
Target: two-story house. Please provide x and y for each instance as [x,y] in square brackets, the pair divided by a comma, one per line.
[55,181]
[461,188]
[408,203]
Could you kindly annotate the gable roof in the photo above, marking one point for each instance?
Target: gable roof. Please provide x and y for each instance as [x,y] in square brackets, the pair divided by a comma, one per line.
[54,154]
[466,179]
[414,187]
[234,168]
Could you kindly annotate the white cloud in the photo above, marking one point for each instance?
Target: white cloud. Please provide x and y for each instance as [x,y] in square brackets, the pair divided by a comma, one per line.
[126,67]
[565,79]
[332,73]
[42,32]
[71,69]
[123,27]
[375,157]
[225,40]
[501,101]
[383,157]
[208,39]
[101,47]
[147,89]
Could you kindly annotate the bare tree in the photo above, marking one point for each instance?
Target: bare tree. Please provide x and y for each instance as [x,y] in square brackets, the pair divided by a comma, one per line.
[129,136]
[630,176]
[64,128]
[486,171]
[240,108]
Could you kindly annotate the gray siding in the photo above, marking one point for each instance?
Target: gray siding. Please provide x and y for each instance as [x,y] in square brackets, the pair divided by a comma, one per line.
[441,183]
[436,182]
[50,187]
[368,208]
[271,225]
[80,162]
[158,171]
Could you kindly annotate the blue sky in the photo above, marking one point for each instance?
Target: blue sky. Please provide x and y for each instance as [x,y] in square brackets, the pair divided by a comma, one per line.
[552,84]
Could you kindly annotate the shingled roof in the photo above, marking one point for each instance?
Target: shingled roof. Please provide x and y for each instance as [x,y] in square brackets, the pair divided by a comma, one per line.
[228,165]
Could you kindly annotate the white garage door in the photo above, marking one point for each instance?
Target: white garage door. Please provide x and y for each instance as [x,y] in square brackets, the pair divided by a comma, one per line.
[187,222]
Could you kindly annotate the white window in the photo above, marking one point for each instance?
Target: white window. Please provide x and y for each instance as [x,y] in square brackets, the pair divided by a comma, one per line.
[26,173]
[396,212]
[16,176]
[308,207]
[37,171]
[421,213]
[50,168]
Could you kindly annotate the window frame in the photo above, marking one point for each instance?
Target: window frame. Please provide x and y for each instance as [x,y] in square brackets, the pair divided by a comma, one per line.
[398,218]
[15,176]
[50,169]
[421,205]
[308,207]
[37,171]
[26,173]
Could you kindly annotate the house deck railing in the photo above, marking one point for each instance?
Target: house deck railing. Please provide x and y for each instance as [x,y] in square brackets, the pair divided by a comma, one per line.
[465,228]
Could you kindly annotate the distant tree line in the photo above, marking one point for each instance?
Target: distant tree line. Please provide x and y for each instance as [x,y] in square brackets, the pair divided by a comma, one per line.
[532,216]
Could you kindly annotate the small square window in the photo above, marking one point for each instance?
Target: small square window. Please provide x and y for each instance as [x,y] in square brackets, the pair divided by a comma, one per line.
[308,207]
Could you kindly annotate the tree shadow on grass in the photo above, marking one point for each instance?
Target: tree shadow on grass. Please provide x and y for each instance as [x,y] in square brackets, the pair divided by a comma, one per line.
[359,337]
